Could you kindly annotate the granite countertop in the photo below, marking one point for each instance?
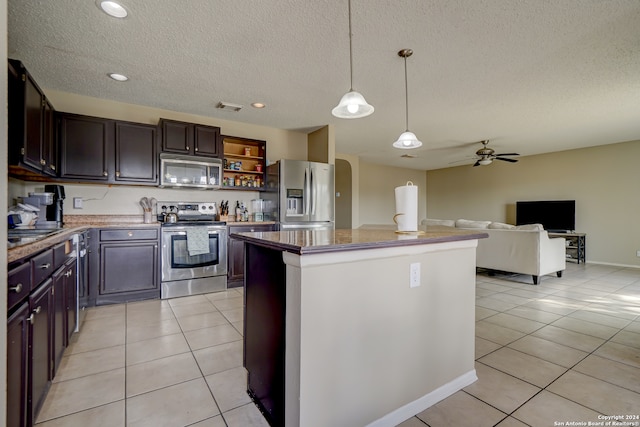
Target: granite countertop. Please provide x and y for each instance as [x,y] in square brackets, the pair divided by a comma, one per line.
[77,223]
[321,241]
[73,224]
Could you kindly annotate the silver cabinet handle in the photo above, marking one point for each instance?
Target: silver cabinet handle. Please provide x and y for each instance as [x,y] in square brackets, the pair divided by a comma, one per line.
[45,266]
[31,318]
[104,173]
[17,288]
[68,273]
[130,233]
[38,309]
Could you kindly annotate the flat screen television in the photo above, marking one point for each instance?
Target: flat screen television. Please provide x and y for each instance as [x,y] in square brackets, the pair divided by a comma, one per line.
[554,215]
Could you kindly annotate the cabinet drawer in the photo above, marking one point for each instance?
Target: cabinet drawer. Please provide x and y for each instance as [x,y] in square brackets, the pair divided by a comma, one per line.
[18,284]
[133,234]
[60,253]
[41,267]
[251,228]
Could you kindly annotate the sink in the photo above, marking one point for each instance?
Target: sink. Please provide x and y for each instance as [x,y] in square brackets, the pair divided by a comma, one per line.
[28,235]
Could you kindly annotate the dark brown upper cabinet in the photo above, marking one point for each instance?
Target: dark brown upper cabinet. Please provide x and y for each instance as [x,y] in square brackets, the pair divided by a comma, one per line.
[136,151]
[104,150]
[190,138]
[32,149]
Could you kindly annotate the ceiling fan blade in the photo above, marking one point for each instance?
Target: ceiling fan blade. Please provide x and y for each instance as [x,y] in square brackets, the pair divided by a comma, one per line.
[506,160]
[476,163]
[507,154]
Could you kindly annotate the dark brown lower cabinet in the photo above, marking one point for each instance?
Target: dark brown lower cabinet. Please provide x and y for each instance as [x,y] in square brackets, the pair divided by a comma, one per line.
[63,319]
[124,265]
[39,347]
[40,318]
[17,357]
[235,265]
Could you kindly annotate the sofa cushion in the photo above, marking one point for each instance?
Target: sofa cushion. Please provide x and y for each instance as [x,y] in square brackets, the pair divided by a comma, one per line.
[530,227]
[501,226]
[445,222]
[466,223]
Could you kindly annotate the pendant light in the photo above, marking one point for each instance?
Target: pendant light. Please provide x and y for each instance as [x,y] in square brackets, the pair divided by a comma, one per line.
[352,105]
[407,139]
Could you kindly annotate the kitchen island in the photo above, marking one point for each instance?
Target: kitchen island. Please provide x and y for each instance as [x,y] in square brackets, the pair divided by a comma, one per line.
[357,327]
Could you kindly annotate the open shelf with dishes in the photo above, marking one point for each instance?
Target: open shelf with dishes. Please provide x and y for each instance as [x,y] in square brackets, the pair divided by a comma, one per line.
[244,163]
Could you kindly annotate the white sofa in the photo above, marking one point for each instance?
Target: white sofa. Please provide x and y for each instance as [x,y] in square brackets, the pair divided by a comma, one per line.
[525,249]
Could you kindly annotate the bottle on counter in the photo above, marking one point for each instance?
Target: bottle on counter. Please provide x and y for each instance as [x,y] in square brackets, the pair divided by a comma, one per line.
[238,212]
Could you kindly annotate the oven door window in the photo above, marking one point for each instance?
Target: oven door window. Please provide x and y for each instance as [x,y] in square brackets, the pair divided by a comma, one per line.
[180,255]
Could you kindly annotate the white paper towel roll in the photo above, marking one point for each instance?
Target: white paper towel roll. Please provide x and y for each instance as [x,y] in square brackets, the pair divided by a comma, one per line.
[406,216]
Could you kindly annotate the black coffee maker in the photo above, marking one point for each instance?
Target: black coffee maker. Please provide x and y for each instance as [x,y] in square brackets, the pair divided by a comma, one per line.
[54,210]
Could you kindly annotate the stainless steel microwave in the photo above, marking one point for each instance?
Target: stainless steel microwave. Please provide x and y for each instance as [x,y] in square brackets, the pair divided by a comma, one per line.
[204,173]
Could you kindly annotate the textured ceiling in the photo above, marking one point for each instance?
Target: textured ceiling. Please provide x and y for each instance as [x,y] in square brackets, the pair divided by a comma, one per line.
[533,76]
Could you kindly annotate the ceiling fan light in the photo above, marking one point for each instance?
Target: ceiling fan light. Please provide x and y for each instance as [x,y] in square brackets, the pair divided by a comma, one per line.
[352,106]
[407,140]
[485,162]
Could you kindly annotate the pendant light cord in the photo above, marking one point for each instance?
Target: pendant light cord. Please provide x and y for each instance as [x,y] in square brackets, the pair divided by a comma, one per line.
[406,96]
[350,51]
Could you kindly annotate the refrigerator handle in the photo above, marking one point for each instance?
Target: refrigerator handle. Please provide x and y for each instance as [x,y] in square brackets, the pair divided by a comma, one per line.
[313,193]
[307,191]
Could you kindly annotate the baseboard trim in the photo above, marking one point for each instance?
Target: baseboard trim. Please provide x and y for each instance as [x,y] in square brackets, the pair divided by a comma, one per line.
[413,408]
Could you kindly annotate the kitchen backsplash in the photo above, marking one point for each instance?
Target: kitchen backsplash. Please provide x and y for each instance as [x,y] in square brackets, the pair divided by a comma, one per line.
[123,200]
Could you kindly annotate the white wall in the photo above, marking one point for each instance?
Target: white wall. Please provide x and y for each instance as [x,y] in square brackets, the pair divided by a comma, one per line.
[602,180]
[376,196]
[3,208]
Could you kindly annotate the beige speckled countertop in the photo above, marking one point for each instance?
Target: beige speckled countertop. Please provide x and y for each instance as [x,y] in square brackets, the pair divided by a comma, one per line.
[323,241]
[77,223]
[74,224]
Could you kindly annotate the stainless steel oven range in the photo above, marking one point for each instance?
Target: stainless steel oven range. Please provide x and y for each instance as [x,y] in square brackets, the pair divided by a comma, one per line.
[194,250]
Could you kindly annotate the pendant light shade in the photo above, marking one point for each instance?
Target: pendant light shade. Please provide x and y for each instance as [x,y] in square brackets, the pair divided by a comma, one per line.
[352,105]
[407,139]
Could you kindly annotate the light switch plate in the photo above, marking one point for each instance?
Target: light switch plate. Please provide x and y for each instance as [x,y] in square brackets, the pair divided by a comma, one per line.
[77,203]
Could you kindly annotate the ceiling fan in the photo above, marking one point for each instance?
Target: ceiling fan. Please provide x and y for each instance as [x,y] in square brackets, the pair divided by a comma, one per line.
[486,155]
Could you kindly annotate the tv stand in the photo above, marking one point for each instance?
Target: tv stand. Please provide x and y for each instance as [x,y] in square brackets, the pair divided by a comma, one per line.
[576,245]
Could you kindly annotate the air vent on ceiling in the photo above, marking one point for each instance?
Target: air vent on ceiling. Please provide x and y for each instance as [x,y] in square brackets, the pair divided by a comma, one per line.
[227,106]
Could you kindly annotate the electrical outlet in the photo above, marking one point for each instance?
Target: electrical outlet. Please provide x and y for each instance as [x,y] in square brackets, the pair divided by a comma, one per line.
[77,203]
[414,275]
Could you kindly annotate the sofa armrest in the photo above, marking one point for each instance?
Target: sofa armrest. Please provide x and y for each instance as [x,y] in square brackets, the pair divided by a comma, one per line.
[553,256]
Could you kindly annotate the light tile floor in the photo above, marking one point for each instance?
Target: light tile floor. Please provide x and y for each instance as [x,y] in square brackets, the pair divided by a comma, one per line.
[564,351]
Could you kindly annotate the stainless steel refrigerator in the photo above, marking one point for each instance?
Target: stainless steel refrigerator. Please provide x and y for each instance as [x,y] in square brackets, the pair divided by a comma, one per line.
[301,194]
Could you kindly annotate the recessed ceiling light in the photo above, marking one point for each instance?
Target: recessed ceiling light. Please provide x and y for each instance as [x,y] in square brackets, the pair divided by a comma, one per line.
[118,77]
[112,8]
[257,105]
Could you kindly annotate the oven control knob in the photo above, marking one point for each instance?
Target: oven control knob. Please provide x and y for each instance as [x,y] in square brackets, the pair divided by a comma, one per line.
[203,207]
[210,207]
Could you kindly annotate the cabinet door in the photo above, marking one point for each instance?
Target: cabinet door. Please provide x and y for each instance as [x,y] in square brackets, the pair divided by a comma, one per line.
[128,271]
[136,153]
[236,263]
[207,141]
[59,318]
[49,152]
[33,124]
[235,253]
[176,137]
[39,346]
[17,357]
[86,147]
